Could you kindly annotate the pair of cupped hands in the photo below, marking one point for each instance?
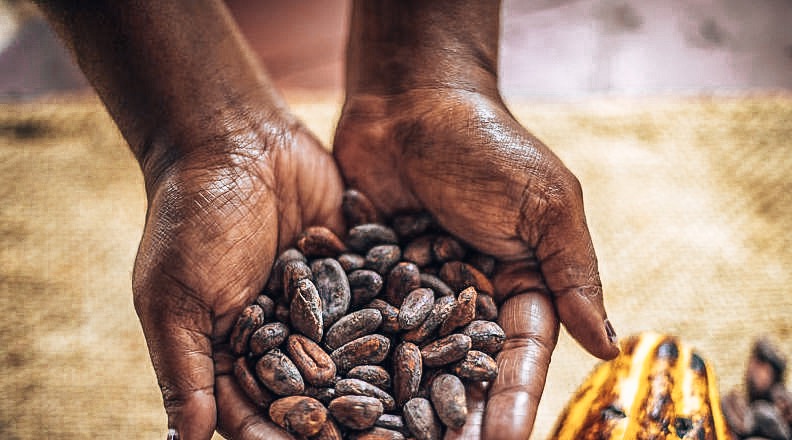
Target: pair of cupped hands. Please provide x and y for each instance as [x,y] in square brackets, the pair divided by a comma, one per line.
[217,218]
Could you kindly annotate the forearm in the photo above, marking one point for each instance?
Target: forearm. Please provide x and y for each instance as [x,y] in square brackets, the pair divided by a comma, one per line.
[395,46]
[175,75]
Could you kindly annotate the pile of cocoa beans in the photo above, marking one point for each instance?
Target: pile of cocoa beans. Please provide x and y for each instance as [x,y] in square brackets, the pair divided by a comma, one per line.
[763,410]
[372,336]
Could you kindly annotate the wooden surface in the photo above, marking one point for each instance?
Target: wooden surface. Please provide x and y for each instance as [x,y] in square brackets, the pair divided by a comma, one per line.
[689,202]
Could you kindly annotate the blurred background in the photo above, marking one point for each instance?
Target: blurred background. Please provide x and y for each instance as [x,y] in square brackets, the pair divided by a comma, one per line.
[675,115]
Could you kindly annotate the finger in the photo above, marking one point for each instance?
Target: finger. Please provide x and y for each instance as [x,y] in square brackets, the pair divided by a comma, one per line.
[238,418]
[531,328]
[569,266]
[475,394]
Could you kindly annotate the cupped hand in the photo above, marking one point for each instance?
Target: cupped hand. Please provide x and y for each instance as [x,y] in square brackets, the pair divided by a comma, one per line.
[217,217]
[462,156]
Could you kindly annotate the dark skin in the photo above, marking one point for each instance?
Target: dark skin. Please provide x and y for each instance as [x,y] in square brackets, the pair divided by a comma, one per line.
[231,178]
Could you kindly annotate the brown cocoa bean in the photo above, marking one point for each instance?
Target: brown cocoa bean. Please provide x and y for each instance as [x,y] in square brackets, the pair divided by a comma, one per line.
[463,313]
[373,374]
[249,321]
[363,237]
[408,226]
[402,279]
[247,381]
[445,351]
[390,315]
[359,387]
[476,366]
[485,307]
[440,311]
[306,310]
[436,284]
[294,271]
[357,208]
[448,398]
[486,336]
[365,285]
[381,259]
[459,276]
[282,313]
[445,248]
[483,262]
[314,363]
[275,282]
[419,251]
[421,419]
[366,350]
[415,308]
[279,374]
[407,371]
[351,262]
[319,241]
[322,394]
[427,379]
[267,337]
[299,414]
[333,287]
[352,326]
[738,414]
[392,422]
[329,431]
[769,421]
[267,306]
[377,433]
[356,412]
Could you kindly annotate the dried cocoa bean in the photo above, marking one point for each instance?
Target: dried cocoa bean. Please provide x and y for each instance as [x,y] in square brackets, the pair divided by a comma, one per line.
[247,381]
[329,431]
[440,311]
[485,307]
[427,379]
[249,321]
[267,337]
[293,272]
[415,308]
[373,374]
[476,366]
[381,259]
[738,414]
[365,285]
[486,336]
[359,387]
[445,351]
[322,394]
[357,208]
[351,262]
[306,310]
[299,414]
[392,422]
[448,398]
[407,370]
[352,326]
[437,285]
[459,276]
[275,283]
[267,306]
[483,262]
[367,350]
[390,315]
[402,279]
[356,412]
[319,241]
[279,374]
[445,248]
[408,226]
[363,237]
[419,251]
[421,419]
[769,421]
[314,363]
[333,286]
[463,313]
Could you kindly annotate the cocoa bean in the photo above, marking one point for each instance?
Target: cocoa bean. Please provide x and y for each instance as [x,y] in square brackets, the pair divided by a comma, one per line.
[279,374]
[365,285]
[421,419]
[390,315]
[333,287]
[738,414]
[359,387]
[459,276]
[377,433]
[319,241]
[314,363]
[306,310]
[356,412]
[366,350]
[267,306]
[419,251]
[357,208]
[267,337]
[769,421]
[299,414]
[247,381]
[415,308]
[408,226]
[485,307]
[352,326]
[373,374]
[448,398]
[463,313]
[437,285]
[351,262]
[445,248]
[381,259]
[329,431]
[427,379]
[275,282]
[363,237]
[294,271]
[483,262]
[402,279]
[486,336]
[407,370]
[282,313]
[445,351]
[476,366]
[322,394]
[392,422]
[249,321]
[440,311]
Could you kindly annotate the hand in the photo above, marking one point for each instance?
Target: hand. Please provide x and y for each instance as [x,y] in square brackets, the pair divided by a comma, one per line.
[460,155]
[216,221]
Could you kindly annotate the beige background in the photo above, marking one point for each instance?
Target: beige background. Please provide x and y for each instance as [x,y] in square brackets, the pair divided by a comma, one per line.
[689,202]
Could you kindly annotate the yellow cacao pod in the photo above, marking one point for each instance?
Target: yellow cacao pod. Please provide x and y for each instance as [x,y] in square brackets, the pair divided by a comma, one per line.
[657,388]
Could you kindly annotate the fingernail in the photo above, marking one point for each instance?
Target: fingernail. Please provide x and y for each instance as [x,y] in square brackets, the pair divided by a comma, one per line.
[172,434]
[611,332]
